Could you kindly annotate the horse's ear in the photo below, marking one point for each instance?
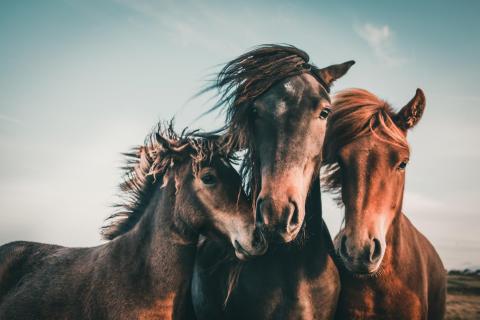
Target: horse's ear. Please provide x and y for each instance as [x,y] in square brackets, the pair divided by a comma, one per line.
[165,143]
[335,71]
[168,148]
[411,113]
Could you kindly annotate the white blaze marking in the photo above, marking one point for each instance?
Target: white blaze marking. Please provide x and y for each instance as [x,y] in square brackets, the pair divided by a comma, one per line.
[289,87]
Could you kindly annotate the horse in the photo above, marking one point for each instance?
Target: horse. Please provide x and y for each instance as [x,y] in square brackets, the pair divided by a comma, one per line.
[277,104]
[176,187]
[389,269]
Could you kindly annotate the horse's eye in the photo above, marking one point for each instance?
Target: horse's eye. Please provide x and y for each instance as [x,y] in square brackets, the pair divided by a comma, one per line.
[209,179]
[403,165]
[325,113]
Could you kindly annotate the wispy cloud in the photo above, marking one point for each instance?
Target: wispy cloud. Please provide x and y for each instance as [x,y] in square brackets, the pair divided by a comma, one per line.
[380,40]
[182,27]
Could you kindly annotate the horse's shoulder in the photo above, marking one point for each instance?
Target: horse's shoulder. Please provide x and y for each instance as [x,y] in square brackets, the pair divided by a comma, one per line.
[12,257]
[14,252]
[16,256]
[435,272]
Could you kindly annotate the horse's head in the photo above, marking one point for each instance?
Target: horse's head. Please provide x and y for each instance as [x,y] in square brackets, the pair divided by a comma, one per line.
[278,106]
[288,129]
[209,194]
[366,152]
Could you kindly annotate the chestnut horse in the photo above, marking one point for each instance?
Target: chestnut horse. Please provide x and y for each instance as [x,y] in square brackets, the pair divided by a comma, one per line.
[391,271]
[178,187]
[277,104]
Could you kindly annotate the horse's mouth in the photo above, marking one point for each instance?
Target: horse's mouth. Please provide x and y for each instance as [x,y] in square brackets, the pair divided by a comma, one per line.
[240,252]
[367,275]
[363,273]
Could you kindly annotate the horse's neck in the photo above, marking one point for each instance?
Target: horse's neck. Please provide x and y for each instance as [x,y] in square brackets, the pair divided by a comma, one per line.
[313,215]
[399,242]
[157,251]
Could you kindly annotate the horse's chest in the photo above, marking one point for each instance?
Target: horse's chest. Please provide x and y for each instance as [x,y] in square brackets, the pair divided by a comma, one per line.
[311,300]
[287,295]
[379,303]
[159,309]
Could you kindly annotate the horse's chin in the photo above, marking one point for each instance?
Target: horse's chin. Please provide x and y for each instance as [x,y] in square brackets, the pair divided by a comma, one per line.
[241,256]
[285,238]
[240,252]
[363,271]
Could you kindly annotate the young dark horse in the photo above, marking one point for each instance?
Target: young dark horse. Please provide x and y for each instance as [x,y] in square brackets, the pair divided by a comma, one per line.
[277,109]
[391,270]
[178,186]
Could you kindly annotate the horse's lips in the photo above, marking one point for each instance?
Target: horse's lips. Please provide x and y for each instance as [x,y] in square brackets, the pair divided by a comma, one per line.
[239,250]
[364,272]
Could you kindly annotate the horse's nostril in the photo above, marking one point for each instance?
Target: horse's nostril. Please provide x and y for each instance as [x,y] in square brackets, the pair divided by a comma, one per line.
[343,247]
[375,250]
[259,240]
[258,213]
[293,221]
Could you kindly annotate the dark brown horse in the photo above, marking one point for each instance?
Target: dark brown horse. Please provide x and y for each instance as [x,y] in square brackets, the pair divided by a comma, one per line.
[277,105]
[178,187]
[391,271]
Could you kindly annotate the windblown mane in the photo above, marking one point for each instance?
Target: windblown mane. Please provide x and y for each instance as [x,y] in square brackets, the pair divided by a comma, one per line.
[146,167]
[356,113]
[239,83]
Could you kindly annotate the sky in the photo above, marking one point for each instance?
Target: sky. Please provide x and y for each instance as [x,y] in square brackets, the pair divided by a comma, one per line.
[83,81]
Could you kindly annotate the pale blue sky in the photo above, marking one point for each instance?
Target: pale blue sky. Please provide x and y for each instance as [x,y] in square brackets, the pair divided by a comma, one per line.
[82,81]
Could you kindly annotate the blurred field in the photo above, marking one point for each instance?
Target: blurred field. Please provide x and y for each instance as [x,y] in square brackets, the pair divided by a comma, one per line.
[463,300]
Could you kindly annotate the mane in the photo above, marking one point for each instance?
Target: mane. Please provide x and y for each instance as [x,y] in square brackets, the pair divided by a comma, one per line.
[239,83]
[356,113]
[147,166]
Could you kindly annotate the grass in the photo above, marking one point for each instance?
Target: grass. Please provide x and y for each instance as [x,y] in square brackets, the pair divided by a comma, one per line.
[463,299]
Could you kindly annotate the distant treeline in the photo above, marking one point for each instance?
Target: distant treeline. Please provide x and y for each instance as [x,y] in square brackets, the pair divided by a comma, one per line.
[465,272]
